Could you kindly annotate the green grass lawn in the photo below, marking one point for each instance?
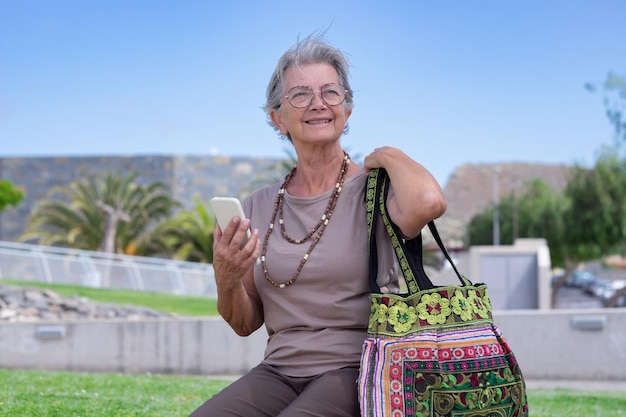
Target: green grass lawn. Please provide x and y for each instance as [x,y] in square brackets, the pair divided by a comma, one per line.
[63,394]
[573,403]
[170,303]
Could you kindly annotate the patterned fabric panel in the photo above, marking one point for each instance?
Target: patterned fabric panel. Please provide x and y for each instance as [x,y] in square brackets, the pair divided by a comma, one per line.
[396,315]
[469,372]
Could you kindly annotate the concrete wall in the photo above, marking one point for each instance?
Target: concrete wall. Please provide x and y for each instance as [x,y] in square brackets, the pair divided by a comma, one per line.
[585,344]
[195,346]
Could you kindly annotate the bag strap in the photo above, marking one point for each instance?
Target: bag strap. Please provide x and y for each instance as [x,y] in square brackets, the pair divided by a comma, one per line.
[442,247]
[407,251]
[410,261]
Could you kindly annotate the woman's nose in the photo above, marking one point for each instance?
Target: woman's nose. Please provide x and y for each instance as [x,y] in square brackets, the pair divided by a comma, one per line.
[317,100]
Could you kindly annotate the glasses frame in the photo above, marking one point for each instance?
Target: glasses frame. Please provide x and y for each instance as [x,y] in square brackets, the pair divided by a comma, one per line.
[286,97]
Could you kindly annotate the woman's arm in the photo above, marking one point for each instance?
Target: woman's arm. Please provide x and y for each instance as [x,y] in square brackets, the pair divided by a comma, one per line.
[417,197]
[237,299]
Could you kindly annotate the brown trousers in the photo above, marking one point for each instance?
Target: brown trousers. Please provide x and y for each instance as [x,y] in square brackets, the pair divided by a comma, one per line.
[263,392]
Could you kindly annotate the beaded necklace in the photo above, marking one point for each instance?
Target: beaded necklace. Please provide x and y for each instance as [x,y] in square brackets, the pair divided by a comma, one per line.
[319,227]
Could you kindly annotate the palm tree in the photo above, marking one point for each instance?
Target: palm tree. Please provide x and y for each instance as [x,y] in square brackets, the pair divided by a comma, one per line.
[112,214]
[275,172]
[187,236]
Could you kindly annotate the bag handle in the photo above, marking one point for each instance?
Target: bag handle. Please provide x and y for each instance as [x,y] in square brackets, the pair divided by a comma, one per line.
[435,233]
[407,251]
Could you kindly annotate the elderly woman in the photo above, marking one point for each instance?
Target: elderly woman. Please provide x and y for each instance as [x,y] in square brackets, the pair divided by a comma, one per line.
[310,288]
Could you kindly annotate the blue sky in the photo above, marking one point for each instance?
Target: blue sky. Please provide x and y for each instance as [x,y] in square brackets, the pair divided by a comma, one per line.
[449,82]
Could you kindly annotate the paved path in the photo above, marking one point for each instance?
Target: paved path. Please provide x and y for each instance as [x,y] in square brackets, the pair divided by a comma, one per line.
[619,386]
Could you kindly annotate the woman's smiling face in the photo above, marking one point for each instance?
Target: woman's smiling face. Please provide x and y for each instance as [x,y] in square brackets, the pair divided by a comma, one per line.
[317,122]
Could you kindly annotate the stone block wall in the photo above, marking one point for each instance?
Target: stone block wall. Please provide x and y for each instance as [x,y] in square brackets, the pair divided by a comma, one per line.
[187,176]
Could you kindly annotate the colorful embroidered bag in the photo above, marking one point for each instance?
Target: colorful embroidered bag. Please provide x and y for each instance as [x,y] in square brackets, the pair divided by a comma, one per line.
[434,351]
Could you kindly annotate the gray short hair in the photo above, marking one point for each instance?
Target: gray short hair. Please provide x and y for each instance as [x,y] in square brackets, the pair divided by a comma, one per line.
[311,50]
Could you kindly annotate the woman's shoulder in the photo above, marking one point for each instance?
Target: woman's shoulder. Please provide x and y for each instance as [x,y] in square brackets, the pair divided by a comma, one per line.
[358,175]
[357,179]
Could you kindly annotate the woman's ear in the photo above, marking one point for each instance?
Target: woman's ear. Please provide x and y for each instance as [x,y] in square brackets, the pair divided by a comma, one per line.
[275,117]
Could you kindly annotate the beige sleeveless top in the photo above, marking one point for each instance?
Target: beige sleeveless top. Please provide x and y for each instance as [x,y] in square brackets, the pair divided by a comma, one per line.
[318,323]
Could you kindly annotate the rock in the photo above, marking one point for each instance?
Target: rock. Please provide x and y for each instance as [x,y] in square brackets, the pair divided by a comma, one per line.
[19,304]
[7,314]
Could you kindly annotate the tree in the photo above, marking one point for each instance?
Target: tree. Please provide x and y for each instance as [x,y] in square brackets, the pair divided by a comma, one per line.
[186,236]
[112,214]
[540,214]
[614,88]
[9,195]
[596,221]
[585,223]
[537,213]
[277,172]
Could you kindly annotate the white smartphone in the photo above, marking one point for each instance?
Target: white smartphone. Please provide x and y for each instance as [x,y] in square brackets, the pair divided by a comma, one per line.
[225,209]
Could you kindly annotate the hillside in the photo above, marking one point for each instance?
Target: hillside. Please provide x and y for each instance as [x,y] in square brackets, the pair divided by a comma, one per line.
[470,189]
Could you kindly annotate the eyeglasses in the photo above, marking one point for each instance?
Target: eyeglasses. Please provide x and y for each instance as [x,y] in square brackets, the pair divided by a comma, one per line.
[302,96]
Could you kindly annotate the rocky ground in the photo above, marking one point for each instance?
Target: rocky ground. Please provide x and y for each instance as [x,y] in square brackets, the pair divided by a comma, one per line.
[22,304]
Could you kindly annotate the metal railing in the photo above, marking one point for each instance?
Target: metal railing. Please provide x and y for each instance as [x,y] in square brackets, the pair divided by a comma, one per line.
[26,262]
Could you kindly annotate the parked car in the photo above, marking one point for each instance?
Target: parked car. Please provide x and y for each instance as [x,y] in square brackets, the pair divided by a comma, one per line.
[599,287]
[590,285]
[580,278]
[612,289]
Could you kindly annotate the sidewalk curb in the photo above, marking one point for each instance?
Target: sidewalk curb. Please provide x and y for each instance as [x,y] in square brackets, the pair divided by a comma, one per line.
[581,385]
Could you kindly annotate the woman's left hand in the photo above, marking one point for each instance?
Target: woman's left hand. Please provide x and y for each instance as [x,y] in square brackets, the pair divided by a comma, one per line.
[374,159]
[417,197]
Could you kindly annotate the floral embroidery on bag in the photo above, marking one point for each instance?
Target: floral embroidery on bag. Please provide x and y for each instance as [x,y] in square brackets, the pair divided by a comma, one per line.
[476,301]
[461,307]
[487,301]
[379,314]
[393,314]
[401,316]
[433,308]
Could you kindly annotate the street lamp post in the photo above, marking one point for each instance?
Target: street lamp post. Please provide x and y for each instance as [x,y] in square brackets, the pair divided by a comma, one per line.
[496,206]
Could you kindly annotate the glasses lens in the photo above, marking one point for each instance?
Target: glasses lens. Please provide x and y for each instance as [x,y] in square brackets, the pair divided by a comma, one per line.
[333,94]
[300,96]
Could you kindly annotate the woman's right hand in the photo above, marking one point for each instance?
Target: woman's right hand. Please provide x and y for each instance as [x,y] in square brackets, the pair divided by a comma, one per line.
[230,260]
